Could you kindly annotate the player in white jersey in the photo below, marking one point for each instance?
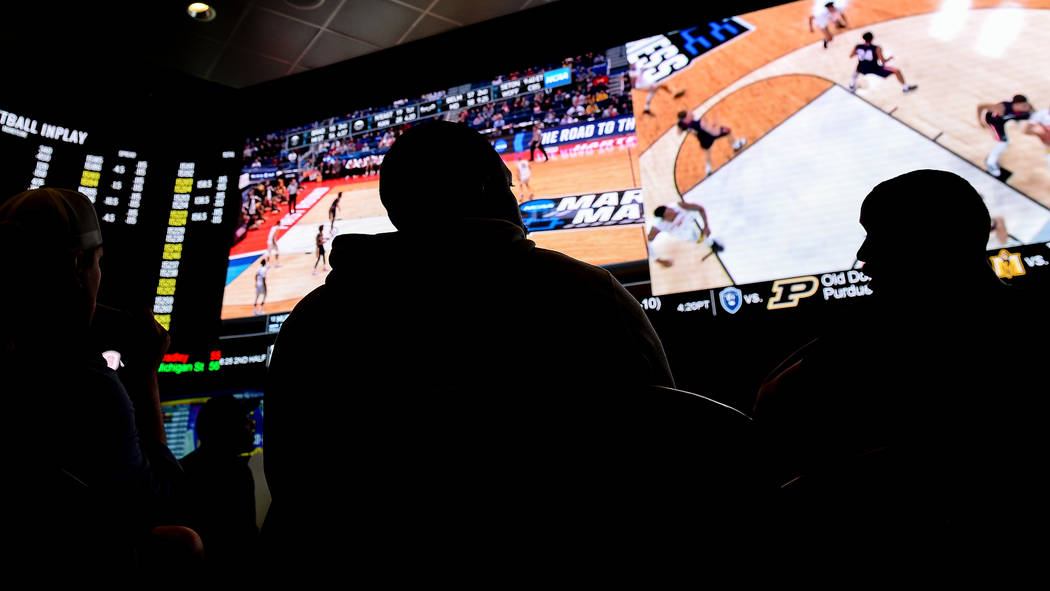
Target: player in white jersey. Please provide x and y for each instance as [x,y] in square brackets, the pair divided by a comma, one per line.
[686,221]
[271,242]
[1039,126]
[824,18]
[638,82]
[260,287]
[524,174]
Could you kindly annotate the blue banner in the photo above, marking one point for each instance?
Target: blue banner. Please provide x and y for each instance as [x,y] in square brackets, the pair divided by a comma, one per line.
[577,132]
[556,78]
[262,173]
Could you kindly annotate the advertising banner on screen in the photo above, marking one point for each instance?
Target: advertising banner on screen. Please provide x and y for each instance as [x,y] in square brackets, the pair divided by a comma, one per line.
[612,208]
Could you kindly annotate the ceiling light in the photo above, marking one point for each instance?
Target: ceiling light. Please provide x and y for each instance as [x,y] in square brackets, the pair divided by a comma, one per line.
[200,11]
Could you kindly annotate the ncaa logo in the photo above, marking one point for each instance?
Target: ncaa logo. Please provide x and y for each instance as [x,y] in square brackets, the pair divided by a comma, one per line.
[731,299]
[537,206]
[500,145]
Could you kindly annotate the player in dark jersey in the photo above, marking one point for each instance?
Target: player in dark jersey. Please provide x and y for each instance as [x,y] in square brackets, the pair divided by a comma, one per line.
[319,241]
[995,116]
[707,133]
[333,212]
[537,142]
[870,61]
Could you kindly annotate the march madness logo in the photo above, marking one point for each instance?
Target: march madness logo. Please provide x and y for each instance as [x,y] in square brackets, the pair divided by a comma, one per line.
[612,208]
[662,55]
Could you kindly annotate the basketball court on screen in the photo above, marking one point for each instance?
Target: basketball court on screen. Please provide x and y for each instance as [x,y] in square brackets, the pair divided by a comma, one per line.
[960,53]
[789,205]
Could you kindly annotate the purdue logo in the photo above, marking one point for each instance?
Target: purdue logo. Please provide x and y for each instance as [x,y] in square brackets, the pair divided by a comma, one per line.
[787,292]
[1007,264]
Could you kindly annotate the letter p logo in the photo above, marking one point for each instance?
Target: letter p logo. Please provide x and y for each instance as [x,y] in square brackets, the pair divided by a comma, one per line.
[787,292]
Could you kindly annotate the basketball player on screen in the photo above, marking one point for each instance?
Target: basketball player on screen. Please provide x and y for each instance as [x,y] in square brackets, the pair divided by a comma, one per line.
[271,242]
[260,287]
[638,82]
[537,142]
[1039,126]
[524,174]
[319,241]
[870,61]
[825,18]
[333,211]
[686,221]
[995,116]
[706,133]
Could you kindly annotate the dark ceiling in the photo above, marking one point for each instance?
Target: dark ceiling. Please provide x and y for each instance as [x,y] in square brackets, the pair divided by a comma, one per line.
[248,41]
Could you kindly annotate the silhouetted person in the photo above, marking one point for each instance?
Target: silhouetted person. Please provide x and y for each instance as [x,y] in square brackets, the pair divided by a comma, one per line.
[220,485]
[900,424]
[447,392]
[87,456]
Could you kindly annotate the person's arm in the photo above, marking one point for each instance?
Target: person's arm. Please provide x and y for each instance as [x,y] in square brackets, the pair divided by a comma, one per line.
[853,52]
[141,383]
[845,21]
[982,107]
[653,232]
[878,53]
[811,23]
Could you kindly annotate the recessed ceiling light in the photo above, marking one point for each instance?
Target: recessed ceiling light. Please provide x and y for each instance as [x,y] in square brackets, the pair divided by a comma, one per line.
[200,11]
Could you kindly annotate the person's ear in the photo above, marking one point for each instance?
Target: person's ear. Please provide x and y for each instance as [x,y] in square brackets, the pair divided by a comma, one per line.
[78,266]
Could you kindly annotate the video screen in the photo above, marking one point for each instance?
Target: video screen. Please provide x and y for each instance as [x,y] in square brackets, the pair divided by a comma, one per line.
[180,422]
[759,136]
[162,209]
[565,129]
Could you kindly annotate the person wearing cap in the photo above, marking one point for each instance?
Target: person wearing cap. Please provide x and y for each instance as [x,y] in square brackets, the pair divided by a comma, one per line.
[472,381]
[69,413]
[917,420]
[220,485]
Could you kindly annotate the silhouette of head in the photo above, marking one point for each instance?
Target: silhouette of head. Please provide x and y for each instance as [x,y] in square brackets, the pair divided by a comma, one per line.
[441,171]
[921,219]
[226,423]
[63,238]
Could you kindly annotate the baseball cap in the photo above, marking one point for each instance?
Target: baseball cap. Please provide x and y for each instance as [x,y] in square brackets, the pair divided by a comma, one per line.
[64,216]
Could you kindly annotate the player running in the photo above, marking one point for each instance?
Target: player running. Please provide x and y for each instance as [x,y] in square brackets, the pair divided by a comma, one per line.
[825,17]
[870,61]
[260,287]
[319,241]
[638,82]
[707,133]
[271,242]
[333,212]
[686,221]
[524,174]
[1039,126]
[995,116]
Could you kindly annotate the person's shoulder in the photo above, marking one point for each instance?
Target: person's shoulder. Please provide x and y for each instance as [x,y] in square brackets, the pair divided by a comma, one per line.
[571,271]
[97,386]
